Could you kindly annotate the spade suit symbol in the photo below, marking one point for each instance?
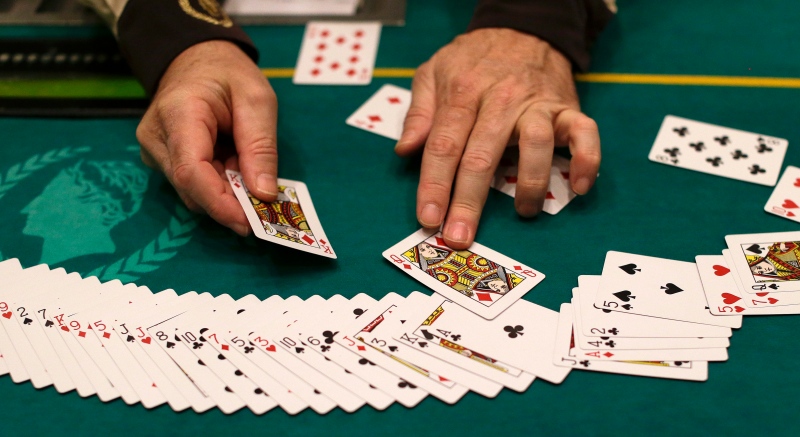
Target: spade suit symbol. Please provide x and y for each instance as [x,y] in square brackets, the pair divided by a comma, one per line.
[49,323]
[624,295]
[671,288]
[630,269]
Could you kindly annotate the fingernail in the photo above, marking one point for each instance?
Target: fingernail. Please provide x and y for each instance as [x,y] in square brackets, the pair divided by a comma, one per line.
[457,232]
[241,229]
[265,184]
[581,186]
[430,216]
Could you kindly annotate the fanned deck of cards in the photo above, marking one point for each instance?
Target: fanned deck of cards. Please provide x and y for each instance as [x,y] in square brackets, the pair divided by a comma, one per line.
[290,221]
[198,351]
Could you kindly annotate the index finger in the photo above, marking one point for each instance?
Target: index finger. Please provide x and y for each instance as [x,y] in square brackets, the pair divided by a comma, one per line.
[190,144]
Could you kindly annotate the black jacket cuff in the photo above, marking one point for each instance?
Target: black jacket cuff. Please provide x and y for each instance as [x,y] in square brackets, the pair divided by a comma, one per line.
[570,26]
[152,33]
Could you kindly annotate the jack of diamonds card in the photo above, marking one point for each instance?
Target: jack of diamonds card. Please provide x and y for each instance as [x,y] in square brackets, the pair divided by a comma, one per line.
[718,150]
[337,53]
[290,221]
[479,279]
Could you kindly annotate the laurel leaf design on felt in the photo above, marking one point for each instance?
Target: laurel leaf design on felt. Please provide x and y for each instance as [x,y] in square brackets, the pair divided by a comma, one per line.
[20,171]
[163,248]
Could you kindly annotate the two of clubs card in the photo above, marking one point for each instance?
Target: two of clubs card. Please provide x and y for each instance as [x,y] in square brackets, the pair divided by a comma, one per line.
[199,351]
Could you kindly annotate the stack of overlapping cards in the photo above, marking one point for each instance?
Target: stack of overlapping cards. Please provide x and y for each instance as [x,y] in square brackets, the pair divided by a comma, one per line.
[664,318]
[199,351]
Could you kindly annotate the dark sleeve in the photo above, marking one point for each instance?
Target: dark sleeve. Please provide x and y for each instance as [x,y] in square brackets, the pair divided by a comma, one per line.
[570,26]
[152,33]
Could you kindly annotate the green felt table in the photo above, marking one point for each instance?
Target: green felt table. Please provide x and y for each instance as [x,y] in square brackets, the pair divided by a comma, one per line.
[365,198]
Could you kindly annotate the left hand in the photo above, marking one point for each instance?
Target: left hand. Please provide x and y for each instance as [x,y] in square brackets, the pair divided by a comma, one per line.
[485,90]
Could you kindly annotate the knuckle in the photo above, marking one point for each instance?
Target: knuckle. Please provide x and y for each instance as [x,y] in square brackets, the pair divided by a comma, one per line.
[432,188]
[466,209]
[465,84]
[264,148]
[584,124]
[477,161]
[182,176]
[536,134]
[443,147]
[504,95]
[533,186]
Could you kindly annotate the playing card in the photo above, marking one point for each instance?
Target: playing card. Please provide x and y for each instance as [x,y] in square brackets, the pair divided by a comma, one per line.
[43,306]
[384,112]
[328,324]
[384,326]
[35,336]
[766,262]
[290,221]
[458,356]
[785,198]
[608,353]
[8,269]
[479,279]
[23,363]
[336,53]
[269,361]
[169,335]
[285,350]
[656,287]
[639,343]
[150,395]
[193,328]
[314,349]
[719,150]
[567,355]
[412,377]
[725,291]
[597,322]
[559,192]
[218,333]
[522,336]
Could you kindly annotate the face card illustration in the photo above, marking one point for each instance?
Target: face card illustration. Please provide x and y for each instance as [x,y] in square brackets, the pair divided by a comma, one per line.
[479,279]
[766,262]
[290,221]
[718,150]
[785,199]
[567,355]
[656,287]
[384,112]
[559,193]
[337,53]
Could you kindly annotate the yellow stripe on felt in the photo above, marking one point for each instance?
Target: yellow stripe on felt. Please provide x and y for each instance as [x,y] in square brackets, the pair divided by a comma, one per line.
[690,80]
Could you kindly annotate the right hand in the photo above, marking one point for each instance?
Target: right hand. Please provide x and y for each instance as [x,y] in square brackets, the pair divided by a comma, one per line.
[213,87]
